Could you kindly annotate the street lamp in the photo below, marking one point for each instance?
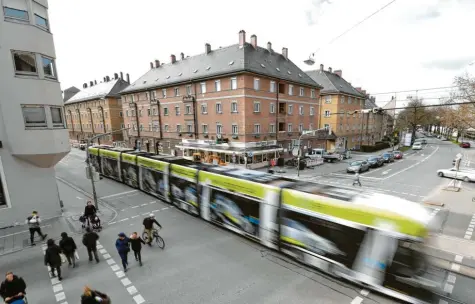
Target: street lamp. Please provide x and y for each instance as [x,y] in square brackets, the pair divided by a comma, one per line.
[88,161]
[313,132]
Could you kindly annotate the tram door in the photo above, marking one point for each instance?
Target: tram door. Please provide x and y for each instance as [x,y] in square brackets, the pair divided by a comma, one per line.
[376,252]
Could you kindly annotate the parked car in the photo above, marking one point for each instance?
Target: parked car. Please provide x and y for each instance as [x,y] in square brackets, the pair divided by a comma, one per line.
[417,146]
[464,144]
[358,167]
[466,175]
[398,154]
[388,157]
[375,161]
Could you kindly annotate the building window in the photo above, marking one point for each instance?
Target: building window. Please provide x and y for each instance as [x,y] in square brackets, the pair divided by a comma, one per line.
[40,15]
[301,110]
[272,128]
[57,117]
[178,128]
[140,113]
[312,111]
[205,129]
[349,99]
[150,126]
[25,63]
[34,116]
[177,110]
[132,113]
[219,128]
[165,111]
[164,93]
[291,89]
[219,108]
[154,111]
[233,83]
[301,127]
[234,107]
[257,129]
[328,99]
[235,129]
[204,108]
[154,95]
[272,87]
[302,92]
[122,126]
[310,126]
[272,107]
[326,126]
[16,10]
[217,85]
[291,109]
[149,112]
[141,127]
[289,127]
[312,93]
[327,113]
[166,128]
[188,89]
[187,109]
[257,107]
[203,87]
[189,128]
[257,84]
[177,91]
[127,113]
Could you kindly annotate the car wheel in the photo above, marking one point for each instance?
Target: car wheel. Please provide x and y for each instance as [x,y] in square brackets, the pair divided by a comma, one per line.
[466,179]
[440,174]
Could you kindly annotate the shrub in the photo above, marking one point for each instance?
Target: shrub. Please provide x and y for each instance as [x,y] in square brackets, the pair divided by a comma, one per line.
[376,147]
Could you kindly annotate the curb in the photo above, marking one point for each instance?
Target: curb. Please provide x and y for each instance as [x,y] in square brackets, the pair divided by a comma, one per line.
[434,204]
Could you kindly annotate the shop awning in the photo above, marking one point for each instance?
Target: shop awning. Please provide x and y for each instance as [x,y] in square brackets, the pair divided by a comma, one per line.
[231,150]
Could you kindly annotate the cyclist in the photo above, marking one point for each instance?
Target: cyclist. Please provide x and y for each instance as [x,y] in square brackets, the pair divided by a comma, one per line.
[148,227]
[89,212]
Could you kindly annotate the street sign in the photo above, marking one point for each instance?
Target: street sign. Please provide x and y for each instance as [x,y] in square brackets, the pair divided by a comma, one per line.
[249,154]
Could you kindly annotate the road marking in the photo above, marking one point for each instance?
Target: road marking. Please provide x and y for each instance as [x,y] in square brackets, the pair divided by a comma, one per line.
[364,292]
[357,300]
[80,198]
[118,194]
[123,220]
[458,258]
[20,232]
[386,172]
[144,204]
[412,166]
[58,289]
[135,207]
[455,267]
[135,216]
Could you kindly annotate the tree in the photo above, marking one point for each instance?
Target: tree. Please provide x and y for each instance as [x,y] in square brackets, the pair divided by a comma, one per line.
[465,113]
[412,116]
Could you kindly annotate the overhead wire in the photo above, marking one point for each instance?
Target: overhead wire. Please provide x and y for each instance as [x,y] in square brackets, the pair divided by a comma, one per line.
[414,90]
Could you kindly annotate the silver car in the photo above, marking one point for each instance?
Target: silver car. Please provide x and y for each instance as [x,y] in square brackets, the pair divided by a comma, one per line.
[358,166]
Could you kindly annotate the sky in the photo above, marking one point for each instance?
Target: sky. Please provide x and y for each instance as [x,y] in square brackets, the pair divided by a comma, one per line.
[408,45]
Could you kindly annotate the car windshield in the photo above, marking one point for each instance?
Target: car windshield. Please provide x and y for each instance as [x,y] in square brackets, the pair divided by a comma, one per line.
[397,152]
[386,155]
[372,158]
[356,163]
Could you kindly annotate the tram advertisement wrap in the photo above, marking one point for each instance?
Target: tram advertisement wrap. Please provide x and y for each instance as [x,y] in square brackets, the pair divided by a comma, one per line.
[129,170]
[110,163]
[95,159]
[152,176]
[183,188]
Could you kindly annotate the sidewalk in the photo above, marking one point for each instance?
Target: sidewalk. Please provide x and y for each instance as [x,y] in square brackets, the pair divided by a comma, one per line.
[16,238]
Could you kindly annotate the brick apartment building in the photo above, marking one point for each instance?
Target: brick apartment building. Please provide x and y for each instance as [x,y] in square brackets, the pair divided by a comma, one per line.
[96,109]
[223,105]
[338,97]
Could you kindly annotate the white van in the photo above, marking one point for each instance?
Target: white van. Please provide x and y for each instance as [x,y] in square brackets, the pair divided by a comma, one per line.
[417,146]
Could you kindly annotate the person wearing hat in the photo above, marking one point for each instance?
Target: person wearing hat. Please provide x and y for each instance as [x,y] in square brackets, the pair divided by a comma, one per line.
[123,247]
[13,288]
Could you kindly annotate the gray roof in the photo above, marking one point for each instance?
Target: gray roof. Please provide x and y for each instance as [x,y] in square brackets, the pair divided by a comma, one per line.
[369,104]
[332,83]
[70,92]
[100,90]
[228,60]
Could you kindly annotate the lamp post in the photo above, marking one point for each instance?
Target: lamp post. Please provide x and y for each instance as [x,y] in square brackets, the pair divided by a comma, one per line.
[88,161]
[300,138]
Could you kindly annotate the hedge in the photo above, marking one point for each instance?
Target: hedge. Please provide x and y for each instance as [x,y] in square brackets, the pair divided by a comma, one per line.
[378,146]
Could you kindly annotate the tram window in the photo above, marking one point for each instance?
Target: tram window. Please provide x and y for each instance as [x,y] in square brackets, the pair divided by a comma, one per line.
[407,261]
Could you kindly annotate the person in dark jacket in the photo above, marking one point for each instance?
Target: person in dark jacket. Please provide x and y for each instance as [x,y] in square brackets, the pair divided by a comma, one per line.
[148,227]
[68,246]
[89,212]
[93,297]
[90,241]
[53,258]
[123,247]
[13,288]
[136,242]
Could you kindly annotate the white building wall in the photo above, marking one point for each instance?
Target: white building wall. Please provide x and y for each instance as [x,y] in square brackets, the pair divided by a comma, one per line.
[28,155]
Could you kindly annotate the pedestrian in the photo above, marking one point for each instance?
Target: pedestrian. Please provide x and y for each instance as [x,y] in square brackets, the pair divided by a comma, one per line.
[90,241]
[357,180]
[34,222]
[53,258]
[68,247]
[123,247]
[89,212]
[13,288]
[136,241]
[90,296]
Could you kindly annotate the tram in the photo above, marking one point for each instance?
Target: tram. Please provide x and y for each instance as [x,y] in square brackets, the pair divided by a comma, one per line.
[370,239]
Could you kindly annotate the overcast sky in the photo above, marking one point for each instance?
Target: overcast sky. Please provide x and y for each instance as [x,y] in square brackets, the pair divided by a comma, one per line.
[408,45]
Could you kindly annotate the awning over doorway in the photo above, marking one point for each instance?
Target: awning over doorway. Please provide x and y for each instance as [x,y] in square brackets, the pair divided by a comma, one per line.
[231,150]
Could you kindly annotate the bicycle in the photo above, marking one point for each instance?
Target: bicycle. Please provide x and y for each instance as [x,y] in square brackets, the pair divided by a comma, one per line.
[158,239]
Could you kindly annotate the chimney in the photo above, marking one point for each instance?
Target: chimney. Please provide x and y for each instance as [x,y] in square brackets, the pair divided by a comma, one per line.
[91,83]
[321,67]
[95,82]
[116,76]
[108,79]
[104,79]
[182,56]
[285,53]
[242,38]
[172,58]
[128,78]
[121,75]
[84,85]
[254,41]
[363,91]
[358,89]
[207,48]
[157,63]
[330,70]
[339,72]
[269,46]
